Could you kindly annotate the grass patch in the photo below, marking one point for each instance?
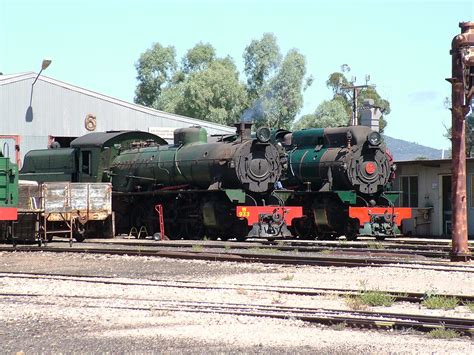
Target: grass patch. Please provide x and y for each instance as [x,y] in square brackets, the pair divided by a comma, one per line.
[375,245]
[370,298]
[470,306]
[288,277]
[443,333]
[326,252]
[376,298]
[440,302]
[277,299]
[197,248]
[355,303]
[342,242]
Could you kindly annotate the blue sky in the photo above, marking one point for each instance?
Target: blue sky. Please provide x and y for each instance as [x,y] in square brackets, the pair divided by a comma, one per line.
[403,45]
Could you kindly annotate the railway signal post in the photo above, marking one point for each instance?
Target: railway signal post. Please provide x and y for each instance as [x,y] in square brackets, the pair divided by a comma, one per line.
[462,52]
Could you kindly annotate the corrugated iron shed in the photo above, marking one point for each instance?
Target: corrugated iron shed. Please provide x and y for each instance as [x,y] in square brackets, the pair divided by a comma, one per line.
[52,108]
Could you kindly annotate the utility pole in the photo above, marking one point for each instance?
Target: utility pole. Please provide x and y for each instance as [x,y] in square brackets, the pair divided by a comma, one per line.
[462,52]
[355,94]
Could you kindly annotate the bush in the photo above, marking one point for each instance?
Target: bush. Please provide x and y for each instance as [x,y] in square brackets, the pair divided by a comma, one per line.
[370,298]
[443,333]
[377,298]
[440,302]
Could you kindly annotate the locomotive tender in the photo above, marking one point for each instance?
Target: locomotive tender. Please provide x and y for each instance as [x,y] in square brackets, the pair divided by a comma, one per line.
[309,183]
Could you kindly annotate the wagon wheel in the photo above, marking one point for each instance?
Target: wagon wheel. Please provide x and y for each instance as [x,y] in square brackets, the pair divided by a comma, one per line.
[79,232]
[240,229]
[304,228]
[174,231]
[194,230]
[352,229]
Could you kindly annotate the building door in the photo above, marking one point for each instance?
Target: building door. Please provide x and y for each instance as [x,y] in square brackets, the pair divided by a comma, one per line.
[447,207]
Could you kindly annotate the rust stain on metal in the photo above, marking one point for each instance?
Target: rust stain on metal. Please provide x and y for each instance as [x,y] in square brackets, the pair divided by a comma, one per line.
[461,50]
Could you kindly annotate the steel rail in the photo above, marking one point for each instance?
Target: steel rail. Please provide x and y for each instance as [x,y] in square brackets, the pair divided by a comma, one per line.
[319,260]
[314,315]
[428,251]
[413,297]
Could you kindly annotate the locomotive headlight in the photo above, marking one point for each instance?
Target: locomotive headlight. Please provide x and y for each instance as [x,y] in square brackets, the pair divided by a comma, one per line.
[263,134]
[374,138]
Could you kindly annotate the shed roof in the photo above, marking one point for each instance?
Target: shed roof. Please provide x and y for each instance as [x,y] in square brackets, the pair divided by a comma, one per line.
[427,161]
[12,78]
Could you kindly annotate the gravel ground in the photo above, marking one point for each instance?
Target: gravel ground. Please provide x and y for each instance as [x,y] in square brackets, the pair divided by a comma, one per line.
[70,315]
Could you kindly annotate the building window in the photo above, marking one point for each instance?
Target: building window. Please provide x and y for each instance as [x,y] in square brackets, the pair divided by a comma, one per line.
[409,187]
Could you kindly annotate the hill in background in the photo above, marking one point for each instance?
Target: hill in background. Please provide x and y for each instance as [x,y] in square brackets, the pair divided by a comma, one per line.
[404,150]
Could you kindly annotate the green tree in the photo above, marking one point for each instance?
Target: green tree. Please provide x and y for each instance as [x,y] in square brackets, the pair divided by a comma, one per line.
[262,57]
[155,68]
[203,86]
[330,113]
[207,87]
[199,57]
[283,97]
[214,94]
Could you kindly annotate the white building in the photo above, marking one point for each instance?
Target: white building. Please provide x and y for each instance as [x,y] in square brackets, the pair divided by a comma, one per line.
[426,186]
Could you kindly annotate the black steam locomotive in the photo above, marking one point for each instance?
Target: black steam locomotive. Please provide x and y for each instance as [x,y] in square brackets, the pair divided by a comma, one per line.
[340,176]
[309,183]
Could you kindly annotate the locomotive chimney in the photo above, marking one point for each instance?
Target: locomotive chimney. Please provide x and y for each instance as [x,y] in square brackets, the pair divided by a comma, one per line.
[244,130]
[370,115]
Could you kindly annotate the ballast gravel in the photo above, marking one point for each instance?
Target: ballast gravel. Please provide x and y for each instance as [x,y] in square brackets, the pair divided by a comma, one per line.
[114,305]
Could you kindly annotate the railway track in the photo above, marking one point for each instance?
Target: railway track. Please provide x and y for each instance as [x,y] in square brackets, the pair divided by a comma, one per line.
[399,296]
[431,251]
[439,251]
[261,256]
[364,319]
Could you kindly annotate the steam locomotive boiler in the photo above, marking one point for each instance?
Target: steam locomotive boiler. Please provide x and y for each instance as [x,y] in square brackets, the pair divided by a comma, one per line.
[340,177]
[200,183]
[253,165]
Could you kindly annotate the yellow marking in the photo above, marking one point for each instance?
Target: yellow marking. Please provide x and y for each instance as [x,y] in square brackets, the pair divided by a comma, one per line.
[244,213]
[384,324]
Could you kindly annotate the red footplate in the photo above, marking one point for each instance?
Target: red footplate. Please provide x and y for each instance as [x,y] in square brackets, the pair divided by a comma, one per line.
[364,214]
[8,213]
[252,213]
